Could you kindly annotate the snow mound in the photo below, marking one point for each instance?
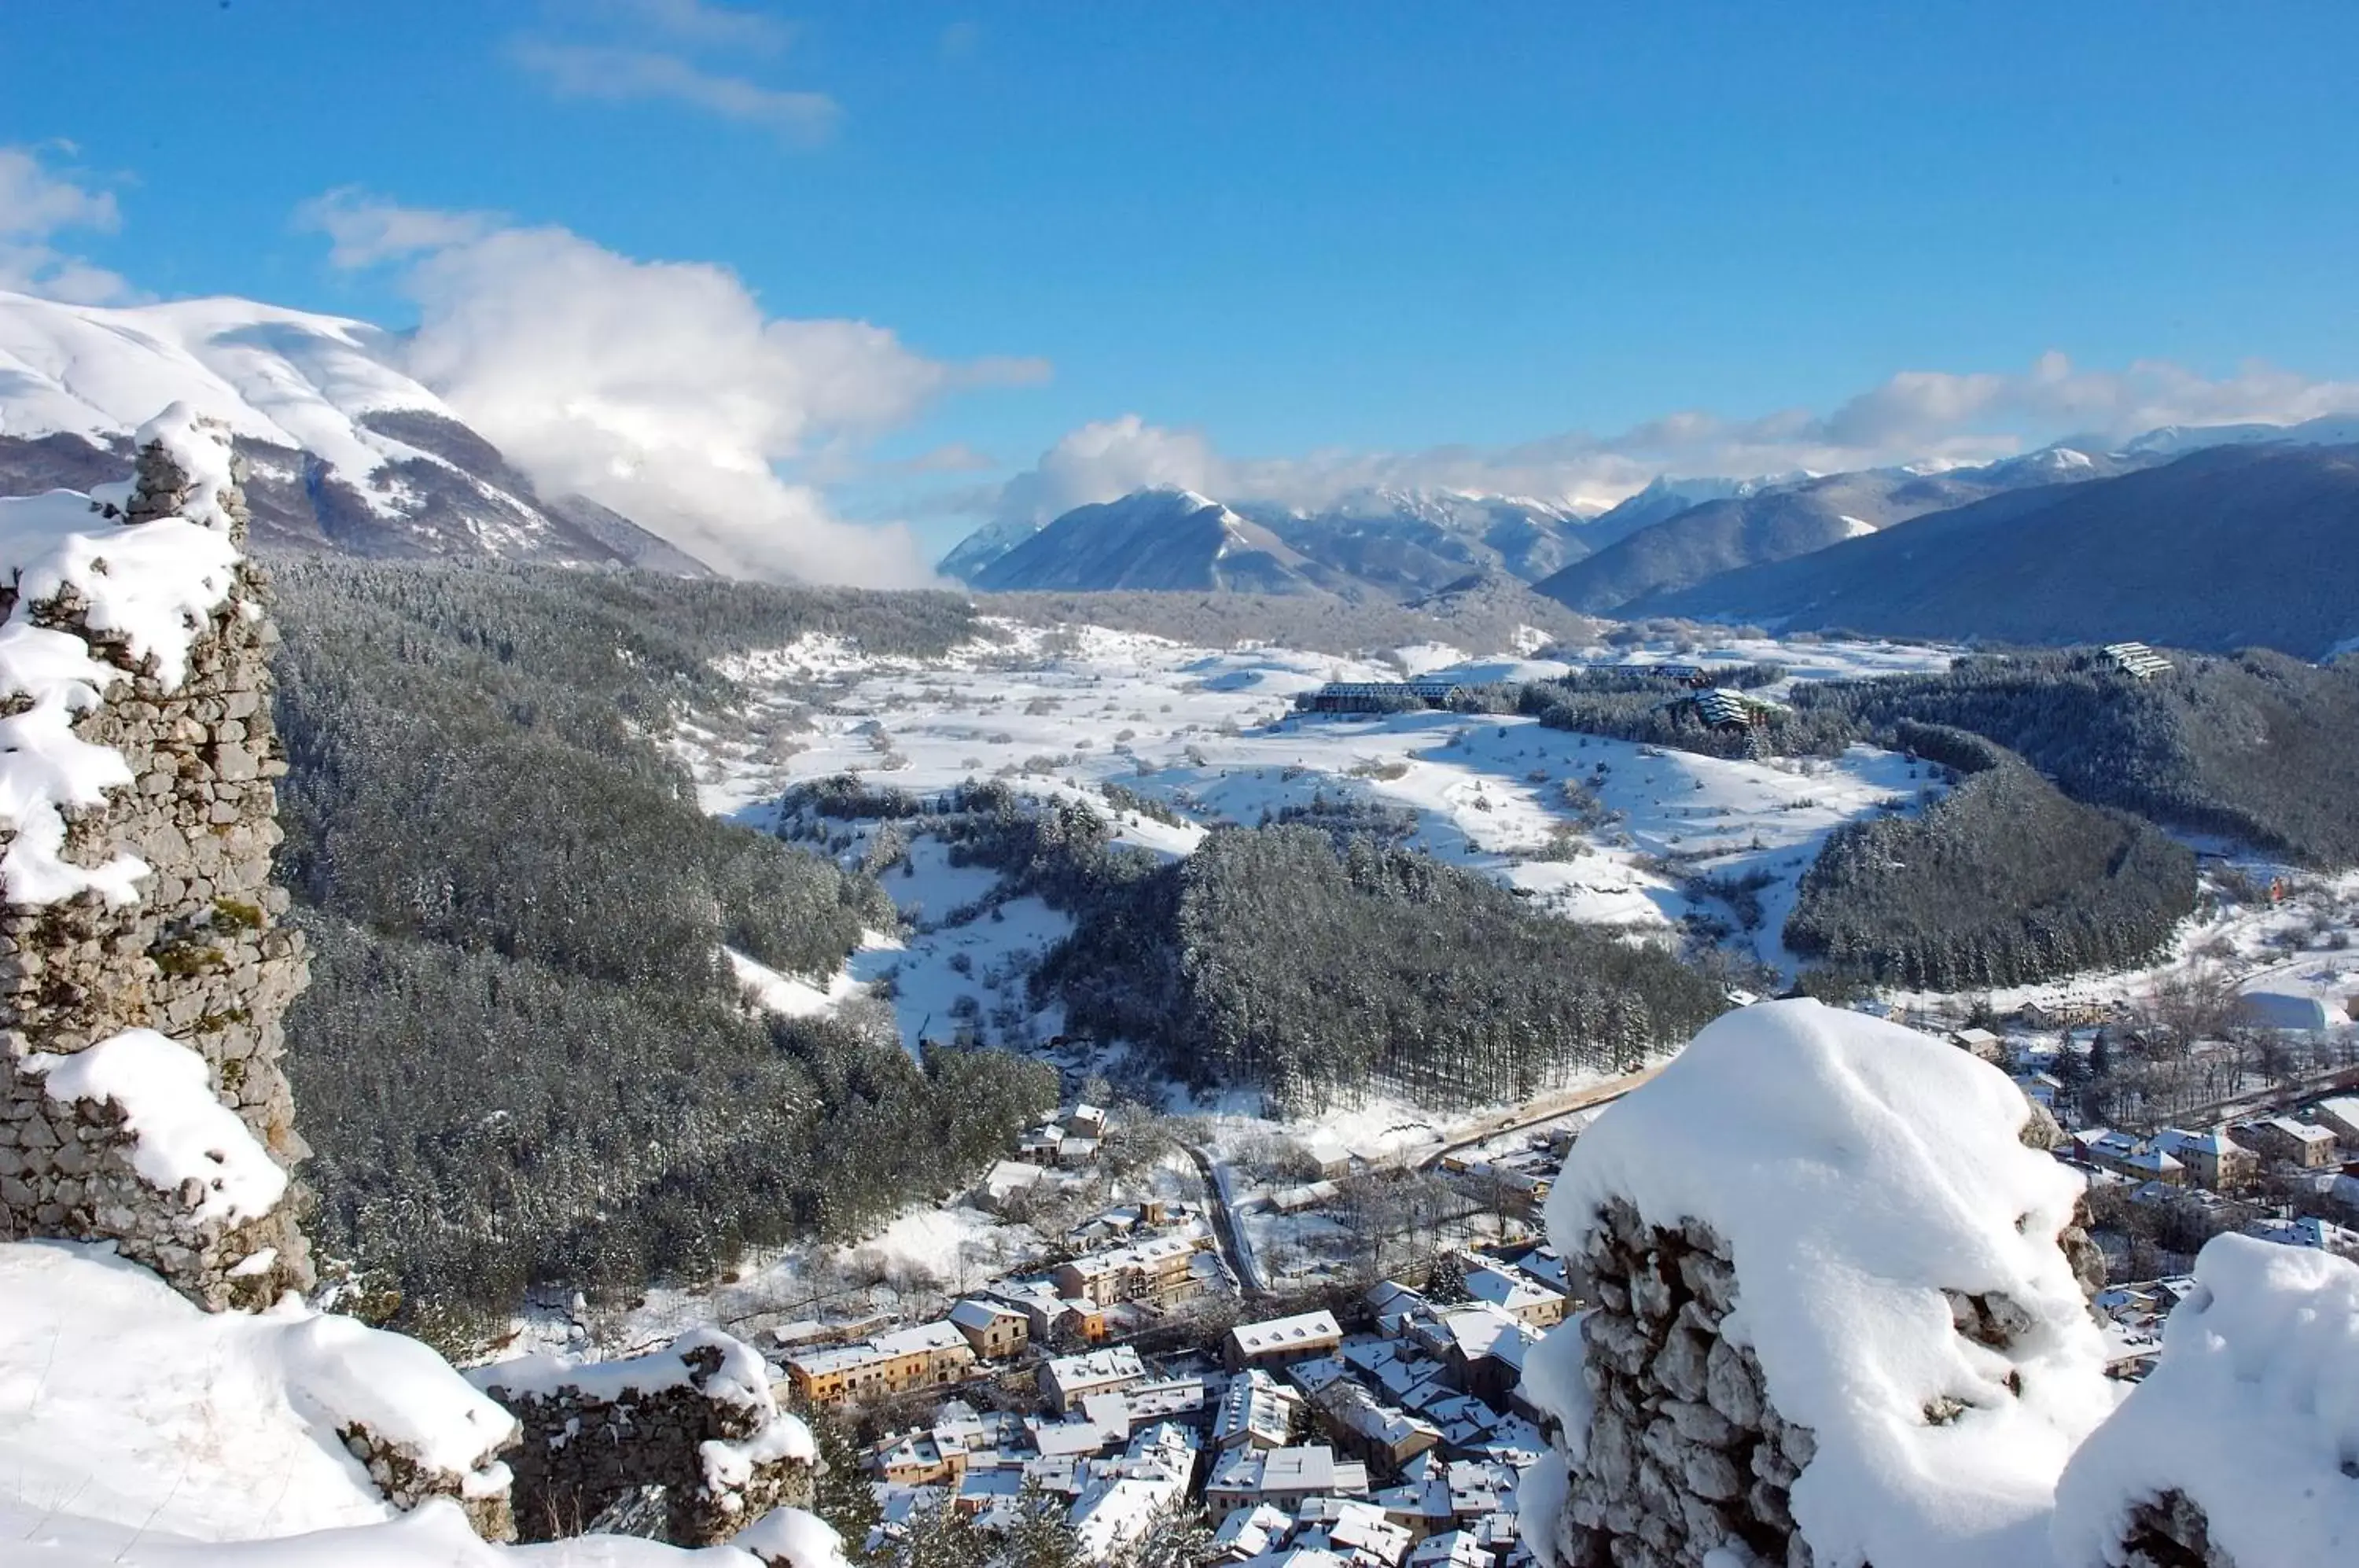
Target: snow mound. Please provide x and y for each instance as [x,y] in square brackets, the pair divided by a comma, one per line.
[2252,1412]
[1857,1171]
[180,1132]
[793,1538]
[128,1405]
[435,1536]
[741,1376]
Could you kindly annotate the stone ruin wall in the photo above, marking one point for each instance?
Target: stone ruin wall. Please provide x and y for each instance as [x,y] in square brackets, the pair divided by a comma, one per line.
[1686,1452]
[199,957]
[2171,1531]
[583,1454]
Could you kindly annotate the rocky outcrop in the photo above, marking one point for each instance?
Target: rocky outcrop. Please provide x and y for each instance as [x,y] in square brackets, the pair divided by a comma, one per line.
[2241,1448]
[1838,1317]
[153,915]
[1685,1454]
[695,1421]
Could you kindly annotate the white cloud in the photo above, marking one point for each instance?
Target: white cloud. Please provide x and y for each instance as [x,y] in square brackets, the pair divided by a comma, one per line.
[619,73]
[1913,417]
[698,22]
[1107,459]
[363,230]
[661,390]
[36,205]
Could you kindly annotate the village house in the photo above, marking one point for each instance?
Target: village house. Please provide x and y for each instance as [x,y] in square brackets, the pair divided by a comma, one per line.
[1255,1411]
[2212,1159]
[1161,1270]
[1980,1043]
[1276,1341]
[2125,1155]
[1357,1535]
[2281,1140]
[1282,1478]
[1003,1182]
[1379,1435]
[929,1356]
[1301,1199]
[2340,1117]
[1328,1154]
[1253,1533]
[1067,1380]
[1517,1293]
[995,1329]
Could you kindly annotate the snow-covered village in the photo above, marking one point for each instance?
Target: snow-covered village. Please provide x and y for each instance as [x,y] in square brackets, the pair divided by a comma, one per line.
[853,787]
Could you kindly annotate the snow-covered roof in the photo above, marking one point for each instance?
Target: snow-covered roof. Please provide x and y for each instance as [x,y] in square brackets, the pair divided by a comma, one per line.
[1302,1331]
[1139,1254]
[973,1312]
[1114,1364]
[1507,1286]
[2214,1144]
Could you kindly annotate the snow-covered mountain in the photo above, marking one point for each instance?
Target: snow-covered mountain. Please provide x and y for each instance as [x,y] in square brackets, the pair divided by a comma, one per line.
[1401,542]
[1407,543]
[1153,539]
[2228,547]
[1769,520]
[344,451]
[2175,441]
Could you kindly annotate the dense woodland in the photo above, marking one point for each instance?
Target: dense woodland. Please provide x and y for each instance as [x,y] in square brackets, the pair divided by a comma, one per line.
[1309,956]
[1647,710]
[522,1058]
[1323,965]
[2000,882]
[2258,747]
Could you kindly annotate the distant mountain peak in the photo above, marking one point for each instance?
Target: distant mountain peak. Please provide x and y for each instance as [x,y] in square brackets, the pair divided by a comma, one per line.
[345,451]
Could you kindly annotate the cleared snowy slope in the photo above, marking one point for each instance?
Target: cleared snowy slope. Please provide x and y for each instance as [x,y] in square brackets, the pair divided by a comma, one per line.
[346,451]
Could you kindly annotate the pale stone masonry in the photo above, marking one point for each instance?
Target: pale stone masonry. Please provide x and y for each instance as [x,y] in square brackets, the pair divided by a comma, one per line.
[198,956]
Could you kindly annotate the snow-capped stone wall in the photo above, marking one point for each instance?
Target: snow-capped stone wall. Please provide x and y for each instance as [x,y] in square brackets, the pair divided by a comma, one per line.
[1839,1319]
[142,972]
[2241,1449]
[696,1418]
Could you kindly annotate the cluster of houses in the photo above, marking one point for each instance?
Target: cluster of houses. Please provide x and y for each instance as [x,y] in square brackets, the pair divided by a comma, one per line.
[1397,1446]
[1082,1301]
[2227,1160]
[2135,659]
[2313,1193]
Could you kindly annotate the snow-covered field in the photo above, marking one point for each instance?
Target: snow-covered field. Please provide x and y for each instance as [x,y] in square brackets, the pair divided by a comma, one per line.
[1593,829]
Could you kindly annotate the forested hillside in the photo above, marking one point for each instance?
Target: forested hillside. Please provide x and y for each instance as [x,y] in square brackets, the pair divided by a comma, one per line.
[522,1056]
[2001,882]
[1322,965]
[2257,747]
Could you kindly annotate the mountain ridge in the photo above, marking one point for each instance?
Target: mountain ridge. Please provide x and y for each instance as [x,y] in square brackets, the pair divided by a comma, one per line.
[2224,548]
[343,451]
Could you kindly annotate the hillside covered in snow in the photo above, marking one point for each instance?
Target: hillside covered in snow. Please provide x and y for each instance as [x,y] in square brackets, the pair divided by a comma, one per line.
[344,451]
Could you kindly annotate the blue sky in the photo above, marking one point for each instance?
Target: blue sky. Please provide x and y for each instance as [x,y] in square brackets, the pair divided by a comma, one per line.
[1302,244]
